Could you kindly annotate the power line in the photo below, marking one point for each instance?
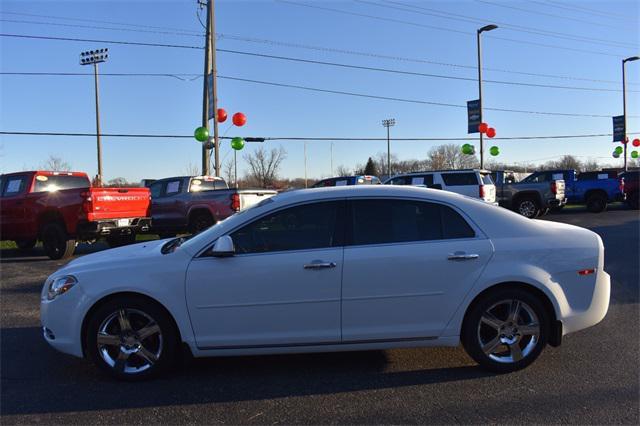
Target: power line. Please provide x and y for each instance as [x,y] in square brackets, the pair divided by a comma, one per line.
[413,101]
[538,12]
[582,9]
[188,76]
[88,40]
[300,138]
[320,48]
[416,24]
[521,28]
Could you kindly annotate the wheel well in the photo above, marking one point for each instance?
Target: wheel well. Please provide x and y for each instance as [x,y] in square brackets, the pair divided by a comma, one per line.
[95,306]
[591,192]
[195,212]
[548,306]
[48,217]
[527,195]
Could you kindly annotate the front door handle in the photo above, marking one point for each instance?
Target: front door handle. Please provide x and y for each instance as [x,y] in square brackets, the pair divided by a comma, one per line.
[320,265]
[460,255]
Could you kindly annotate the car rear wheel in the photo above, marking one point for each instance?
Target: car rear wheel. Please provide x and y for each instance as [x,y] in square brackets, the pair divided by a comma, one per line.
[596,203]
[25,245]
[199,222]
[506,330]
[528,207]
[56,242]
[131,338]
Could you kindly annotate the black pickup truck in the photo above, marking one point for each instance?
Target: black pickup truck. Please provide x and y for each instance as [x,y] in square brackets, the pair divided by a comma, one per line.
[530,199]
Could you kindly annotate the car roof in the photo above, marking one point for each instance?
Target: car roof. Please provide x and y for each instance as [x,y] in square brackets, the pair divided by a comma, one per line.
[443,171]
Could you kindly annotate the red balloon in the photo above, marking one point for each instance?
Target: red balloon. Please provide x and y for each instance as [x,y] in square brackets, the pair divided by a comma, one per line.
[239,119]
[636,142]
[491,132]
[222,115]
[482,127]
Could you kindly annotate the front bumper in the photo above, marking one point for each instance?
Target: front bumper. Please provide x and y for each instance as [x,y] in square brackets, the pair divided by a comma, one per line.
[61,320]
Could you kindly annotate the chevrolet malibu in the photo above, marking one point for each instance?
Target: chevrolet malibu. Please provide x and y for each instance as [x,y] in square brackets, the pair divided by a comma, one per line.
[334,269]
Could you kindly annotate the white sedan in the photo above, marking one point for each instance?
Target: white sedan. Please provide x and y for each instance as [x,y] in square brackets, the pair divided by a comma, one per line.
[334,269]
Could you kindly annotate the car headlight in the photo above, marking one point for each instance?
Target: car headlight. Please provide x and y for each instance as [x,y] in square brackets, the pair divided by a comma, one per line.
[60,286]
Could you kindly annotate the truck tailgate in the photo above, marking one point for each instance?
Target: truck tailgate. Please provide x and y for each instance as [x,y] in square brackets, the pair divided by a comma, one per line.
[560,190]
[115,203]
[249,197]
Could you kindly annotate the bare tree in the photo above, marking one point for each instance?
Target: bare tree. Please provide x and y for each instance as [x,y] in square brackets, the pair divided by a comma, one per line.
[450,156]
[566,162]
[118,182]
[343,171]
[229,172]
[191,169]
[591,165]
[57,164]
[264,166]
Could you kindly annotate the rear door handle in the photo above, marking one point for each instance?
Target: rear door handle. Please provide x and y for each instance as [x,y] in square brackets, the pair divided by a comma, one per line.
[320,265]
[462,256]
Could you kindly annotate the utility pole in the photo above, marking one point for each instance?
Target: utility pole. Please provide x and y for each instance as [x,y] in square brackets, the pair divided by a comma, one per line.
[625,142]
[94,57]
[210,106]
[389,123]
[305,164]
[480,31]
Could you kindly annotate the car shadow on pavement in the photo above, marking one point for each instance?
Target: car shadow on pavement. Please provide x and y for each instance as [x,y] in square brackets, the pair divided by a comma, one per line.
[36,379]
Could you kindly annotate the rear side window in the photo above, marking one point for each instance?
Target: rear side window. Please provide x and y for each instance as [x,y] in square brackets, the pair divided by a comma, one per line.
[172,187]
[59,182]
[536,178]
[459,179]
[381,221]
[14,186]
[426,180]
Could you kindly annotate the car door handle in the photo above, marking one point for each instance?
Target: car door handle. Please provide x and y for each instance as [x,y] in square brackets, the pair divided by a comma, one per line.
[320,265]
[462,256]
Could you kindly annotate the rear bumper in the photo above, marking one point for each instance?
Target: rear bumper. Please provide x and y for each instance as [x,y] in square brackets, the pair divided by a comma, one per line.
[581,319]
[106,227]
[554,202]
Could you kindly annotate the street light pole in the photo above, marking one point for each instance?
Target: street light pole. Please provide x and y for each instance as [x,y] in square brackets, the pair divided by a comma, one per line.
[624,106]
[480,31]
[390,122]
[94,57]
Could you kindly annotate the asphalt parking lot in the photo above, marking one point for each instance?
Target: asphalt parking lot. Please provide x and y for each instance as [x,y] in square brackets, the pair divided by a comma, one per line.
[593,378]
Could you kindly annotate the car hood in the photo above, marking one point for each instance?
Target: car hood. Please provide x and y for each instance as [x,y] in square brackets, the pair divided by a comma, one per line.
[134,253]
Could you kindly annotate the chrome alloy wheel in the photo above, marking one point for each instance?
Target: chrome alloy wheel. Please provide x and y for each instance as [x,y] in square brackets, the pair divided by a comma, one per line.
[527,208]
[508,331]
[129,341]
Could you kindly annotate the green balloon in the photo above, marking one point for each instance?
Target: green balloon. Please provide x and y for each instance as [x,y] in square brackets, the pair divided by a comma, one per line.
[237,143]
[634,154]
[201,134]
[618,149]
[466,148]
[494,150]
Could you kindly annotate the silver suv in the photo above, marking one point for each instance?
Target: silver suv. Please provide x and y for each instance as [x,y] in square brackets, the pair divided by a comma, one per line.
[471,182]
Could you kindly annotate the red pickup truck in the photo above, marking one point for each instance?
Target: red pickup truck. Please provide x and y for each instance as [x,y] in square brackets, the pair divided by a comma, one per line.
[61,208]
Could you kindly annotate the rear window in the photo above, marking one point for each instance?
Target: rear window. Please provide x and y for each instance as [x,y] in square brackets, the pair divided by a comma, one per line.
[486,179]
[198,185]
[460,179]
[52,183]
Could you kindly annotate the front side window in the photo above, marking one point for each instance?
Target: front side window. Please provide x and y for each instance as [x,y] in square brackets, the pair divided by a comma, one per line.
[172,187]
[459,179]
[382,221]
[14,186]
[304,227]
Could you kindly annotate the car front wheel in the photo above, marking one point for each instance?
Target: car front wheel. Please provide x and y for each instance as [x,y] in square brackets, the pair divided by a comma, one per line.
[506,330]
[131,338]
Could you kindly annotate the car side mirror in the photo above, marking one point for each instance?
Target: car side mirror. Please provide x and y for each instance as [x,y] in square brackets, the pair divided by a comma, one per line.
[223,247]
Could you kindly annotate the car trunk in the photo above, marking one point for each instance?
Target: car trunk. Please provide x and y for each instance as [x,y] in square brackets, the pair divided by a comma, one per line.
[249,197]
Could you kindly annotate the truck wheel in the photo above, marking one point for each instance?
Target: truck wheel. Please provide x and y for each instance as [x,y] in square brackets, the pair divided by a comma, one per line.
[25,245]
[56,242]
[596,203]
[528,207]
[199,222]
[121,240]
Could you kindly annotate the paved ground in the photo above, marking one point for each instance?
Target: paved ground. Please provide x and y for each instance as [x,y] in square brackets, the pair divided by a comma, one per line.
[592,379]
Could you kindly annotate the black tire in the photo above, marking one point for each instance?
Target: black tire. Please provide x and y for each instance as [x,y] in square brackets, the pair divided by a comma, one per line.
[121,240]
[25,245]
[596,203]
[57,244]
[476,333]
[528,207]
[162,347]
[544,212]
[199,222]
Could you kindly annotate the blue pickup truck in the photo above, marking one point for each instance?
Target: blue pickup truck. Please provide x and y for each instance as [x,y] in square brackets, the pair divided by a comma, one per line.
[595,192]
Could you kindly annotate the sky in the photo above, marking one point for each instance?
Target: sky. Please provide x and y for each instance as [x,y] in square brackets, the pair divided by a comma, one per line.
[578,44]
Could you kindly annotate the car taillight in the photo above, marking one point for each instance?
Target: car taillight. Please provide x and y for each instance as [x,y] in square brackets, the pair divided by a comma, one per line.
[87,202]
[481,191]
[235,202]
[554,188]
[621,184]
[586,271]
